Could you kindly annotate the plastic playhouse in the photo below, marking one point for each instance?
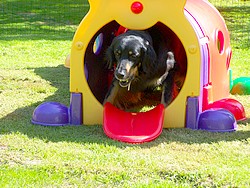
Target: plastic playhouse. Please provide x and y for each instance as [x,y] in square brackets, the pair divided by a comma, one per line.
[201,43]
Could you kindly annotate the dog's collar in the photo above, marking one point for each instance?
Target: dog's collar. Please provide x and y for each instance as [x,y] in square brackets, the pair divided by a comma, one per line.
[125,83]
[124,86]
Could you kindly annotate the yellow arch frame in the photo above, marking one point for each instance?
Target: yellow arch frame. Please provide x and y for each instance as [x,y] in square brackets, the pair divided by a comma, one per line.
[168,12]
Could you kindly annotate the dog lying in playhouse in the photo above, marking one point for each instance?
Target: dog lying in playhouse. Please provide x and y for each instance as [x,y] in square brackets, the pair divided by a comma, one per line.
[142,75]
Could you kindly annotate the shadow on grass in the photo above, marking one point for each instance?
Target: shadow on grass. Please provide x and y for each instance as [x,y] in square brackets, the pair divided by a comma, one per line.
[35,20]
[19,121]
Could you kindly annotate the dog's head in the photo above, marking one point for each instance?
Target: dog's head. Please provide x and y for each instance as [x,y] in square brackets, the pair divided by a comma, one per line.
[131,54]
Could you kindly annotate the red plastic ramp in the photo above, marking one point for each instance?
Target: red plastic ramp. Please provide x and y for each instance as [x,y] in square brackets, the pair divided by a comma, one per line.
[133,127]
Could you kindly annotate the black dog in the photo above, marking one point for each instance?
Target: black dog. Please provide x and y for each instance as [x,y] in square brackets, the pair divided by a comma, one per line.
[138,70]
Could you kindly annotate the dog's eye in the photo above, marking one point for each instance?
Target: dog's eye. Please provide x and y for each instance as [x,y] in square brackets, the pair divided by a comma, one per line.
[132,55]
[118,53]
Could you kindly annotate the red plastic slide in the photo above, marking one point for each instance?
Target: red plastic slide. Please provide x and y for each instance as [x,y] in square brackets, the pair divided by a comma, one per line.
[133,127]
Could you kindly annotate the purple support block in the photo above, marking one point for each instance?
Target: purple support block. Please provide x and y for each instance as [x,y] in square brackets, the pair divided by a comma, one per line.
[192,112]
[51,114]
[217,120]
[76,109]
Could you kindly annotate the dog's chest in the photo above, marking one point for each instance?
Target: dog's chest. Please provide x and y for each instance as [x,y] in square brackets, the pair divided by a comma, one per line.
[128,98]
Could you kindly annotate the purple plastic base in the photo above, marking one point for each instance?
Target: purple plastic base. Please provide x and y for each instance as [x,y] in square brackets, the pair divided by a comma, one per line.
[214,120]
[217,120]
[51,114]
[57,114]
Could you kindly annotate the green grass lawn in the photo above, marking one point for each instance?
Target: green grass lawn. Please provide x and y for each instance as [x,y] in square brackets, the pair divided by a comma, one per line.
[32,71]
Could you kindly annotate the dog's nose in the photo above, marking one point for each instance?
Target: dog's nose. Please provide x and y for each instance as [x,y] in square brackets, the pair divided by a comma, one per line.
[121,73]
[123,69]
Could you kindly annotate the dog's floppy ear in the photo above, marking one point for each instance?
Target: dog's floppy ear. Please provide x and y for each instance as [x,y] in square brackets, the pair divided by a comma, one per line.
[110,57]
[149,58]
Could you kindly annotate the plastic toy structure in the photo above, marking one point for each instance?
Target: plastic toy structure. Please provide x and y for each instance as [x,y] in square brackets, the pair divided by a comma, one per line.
[241,86]
[200,42]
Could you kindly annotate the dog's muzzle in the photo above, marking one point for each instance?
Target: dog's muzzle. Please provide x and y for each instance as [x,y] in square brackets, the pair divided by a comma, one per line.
[125,83]
[122,73]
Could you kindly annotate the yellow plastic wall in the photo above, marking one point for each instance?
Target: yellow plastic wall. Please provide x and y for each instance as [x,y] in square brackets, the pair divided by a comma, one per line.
[212,23]
[168,12]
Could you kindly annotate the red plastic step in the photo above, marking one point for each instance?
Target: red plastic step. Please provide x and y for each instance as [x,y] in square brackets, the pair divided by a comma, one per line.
[133,127]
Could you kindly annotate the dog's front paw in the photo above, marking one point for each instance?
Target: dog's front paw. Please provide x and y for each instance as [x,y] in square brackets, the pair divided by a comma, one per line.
[170,62]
